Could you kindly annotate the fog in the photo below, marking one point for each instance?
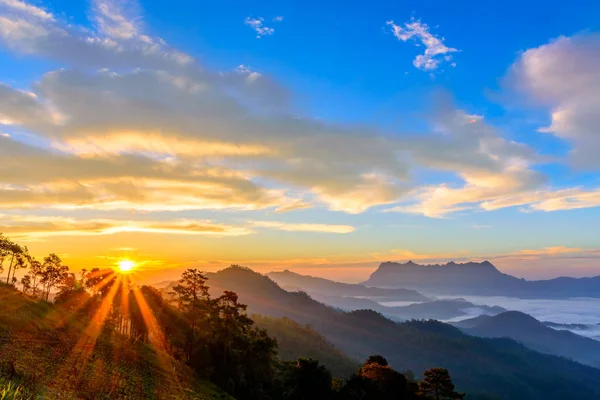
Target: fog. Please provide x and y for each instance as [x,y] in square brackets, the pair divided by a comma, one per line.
[570,311]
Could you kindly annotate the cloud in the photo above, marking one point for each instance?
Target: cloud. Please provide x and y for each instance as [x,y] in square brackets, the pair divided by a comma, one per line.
[490,167]
[129,122]
[278,18]
[116,22]
[36,227]
[548,251]
[32,177]
[22,7]
[436,52]
[259,27]
[565,76]
[303,227]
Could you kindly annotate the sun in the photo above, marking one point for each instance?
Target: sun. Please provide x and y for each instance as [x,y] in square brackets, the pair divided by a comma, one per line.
[126,266]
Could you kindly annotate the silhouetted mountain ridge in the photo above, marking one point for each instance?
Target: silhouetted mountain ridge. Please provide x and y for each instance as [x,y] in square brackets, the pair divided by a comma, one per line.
[477,278]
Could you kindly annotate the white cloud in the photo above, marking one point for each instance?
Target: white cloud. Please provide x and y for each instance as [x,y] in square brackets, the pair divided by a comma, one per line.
[278,18]
[259,27]
[114,22]
[303,227]
[565,75]
[436,52]
[22,7]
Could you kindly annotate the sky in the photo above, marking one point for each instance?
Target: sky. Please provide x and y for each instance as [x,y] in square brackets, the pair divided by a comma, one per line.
[312,136]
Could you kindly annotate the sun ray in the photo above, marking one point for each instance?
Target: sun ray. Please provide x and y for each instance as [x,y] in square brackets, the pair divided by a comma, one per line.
[75,304]
[77,361]
[156,337]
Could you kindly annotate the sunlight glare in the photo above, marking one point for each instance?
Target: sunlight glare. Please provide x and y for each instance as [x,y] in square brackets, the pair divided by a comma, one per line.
[126,266]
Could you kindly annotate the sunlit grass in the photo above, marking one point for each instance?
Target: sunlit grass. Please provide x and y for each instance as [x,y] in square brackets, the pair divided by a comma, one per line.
[12,391]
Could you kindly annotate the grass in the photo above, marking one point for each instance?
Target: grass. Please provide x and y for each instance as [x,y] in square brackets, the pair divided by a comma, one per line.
[38,348]
[11,391]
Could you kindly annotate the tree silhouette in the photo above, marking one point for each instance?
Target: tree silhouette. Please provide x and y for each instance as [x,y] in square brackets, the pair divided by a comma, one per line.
[436,384]
[33,278]
[53,272]
[376,359]
[307,379]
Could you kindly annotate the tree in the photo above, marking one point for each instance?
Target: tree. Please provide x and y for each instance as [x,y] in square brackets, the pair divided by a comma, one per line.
[376,359]
[12,251]
[33,278]
[191,287]
[307,379]
[436,384]
[4,250]
[53,272]
[388,383]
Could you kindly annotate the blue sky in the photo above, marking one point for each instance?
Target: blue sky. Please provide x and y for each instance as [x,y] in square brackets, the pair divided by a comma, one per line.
[318,136]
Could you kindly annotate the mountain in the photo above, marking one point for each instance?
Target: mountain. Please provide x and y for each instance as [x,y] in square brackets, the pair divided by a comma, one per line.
[485,368]
[537,336]
[292,281]
[296,341]
[470,322]
[477,279]
[438,309]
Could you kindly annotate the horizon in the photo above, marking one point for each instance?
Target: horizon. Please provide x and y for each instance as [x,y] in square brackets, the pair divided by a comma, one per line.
[177,136]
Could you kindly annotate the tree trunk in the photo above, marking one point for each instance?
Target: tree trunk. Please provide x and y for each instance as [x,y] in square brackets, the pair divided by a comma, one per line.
[10,267]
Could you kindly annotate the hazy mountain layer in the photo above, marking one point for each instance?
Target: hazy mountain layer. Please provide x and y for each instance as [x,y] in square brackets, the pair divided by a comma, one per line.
[437,309]
[478,279]
[292,281]
[536,335]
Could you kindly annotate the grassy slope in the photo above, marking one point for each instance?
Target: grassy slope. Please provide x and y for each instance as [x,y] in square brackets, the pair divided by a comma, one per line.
[40,348]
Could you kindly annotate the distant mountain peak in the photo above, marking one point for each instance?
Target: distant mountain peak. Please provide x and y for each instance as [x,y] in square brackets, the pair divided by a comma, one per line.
[411,263]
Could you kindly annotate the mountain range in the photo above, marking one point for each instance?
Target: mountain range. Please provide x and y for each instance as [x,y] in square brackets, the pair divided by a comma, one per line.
[534,334]
[312,285]
[485,368]
[473,278]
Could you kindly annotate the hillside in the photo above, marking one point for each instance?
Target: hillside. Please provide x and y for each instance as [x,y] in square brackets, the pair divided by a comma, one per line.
[296,341]
[534,334]
[479,366]
[292,281]
[40,352]
[477,279]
